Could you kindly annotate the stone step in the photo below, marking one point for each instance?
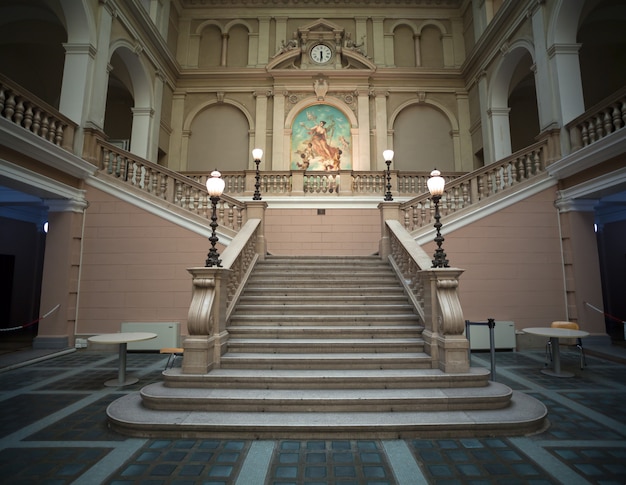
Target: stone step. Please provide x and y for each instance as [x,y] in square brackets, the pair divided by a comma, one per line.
[327,379]
[314,346]
[494,396]
[324,331]
[363,360]
[344,292]
[296,298]
[324,309]
[329,320]
[523,415]
[312,281]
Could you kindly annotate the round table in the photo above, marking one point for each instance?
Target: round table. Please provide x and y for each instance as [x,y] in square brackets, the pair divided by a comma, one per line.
[121,339]
[554,334]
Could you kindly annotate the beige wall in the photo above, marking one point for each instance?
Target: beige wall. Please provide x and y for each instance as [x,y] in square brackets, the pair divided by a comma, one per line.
[134,266]
[515,255]
[340,232]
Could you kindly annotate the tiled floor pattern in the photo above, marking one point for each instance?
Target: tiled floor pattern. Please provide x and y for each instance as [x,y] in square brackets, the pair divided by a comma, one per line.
[53,431]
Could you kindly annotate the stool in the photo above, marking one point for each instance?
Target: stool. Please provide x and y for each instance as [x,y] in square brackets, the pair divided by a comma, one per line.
[174,352]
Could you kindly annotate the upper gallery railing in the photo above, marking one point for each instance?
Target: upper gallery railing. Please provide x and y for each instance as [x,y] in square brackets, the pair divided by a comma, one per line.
[478,185]
[28,111]
[601,120]
[161,182]
[310,183]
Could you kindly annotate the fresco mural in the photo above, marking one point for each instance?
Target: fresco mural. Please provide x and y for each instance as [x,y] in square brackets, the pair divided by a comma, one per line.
[321,140]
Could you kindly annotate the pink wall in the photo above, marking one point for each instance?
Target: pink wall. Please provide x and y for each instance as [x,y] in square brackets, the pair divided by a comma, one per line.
[512,263]
[134,266]
[340,232]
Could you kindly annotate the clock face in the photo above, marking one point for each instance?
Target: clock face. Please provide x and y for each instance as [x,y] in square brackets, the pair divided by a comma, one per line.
[321,53]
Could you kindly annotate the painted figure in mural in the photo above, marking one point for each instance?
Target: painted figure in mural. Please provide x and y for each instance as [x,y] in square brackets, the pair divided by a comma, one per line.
[321,140]
[319,147]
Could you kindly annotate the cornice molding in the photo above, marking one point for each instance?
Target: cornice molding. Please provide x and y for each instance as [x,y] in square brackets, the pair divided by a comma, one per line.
[454,4]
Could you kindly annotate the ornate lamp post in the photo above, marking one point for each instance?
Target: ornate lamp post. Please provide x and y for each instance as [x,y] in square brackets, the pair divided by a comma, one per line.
[257,154]
[215,188]
[436,184]
[388,156]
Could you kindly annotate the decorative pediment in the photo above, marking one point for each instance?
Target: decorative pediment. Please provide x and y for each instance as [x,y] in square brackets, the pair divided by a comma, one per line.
[340,51]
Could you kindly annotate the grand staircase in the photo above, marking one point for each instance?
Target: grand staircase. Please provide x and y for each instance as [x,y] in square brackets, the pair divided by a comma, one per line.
[325,347]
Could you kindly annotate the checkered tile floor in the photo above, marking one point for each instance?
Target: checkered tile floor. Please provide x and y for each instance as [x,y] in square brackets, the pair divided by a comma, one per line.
[53,431]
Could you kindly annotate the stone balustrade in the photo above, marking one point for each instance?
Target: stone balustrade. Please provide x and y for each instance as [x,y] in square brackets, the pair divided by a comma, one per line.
[598,122]
[31,113]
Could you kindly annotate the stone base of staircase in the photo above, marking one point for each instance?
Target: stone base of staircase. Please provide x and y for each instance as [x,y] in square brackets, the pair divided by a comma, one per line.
[436,412]
[326,348]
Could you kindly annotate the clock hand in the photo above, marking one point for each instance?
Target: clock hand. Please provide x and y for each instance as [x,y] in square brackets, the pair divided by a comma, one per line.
[321,56]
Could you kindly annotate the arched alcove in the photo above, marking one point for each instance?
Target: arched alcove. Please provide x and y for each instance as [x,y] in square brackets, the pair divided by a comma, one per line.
[209,52]
[422,139]
[219,139]
[404,46]
[522,102]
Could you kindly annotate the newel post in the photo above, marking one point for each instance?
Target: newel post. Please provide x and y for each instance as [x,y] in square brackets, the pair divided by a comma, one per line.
[206,321]
[256,210]
[388,211]
[444,322]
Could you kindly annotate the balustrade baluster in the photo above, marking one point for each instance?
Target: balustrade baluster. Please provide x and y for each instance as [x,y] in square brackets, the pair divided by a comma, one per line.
[231,216]
[18,116]
[528,166]
[9,107]
[481,187]
[616,116]
[584,133]
[490,182]
[45,125]
[498,175]
[178,192]
[608,121]
[537,161]
[28,116]
[3,97]
[623,112]
[52,130]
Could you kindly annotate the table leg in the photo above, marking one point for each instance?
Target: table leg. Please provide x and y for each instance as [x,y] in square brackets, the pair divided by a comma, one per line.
[121,380]
[556,361]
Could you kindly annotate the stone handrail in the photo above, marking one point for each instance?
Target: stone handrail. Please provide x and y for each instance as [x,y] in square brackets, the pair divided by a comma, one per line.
[158,181]
[434,293]
[601,120]
[28,111]
[323,183]
[215,293]
[478,185]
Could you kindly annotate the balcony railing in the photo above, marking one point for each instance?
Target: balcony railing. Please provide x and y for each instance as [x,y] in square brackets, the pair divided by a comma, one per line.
[478,185]
[598,122]
[161,182]
[28,111]
[312,183]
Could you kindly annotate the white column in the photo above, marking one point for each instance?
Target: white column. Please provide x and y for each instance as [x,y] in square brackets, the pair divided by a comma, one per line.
[381,143]
[224,54]
[458,41]
[260,129]
[378,43]
[543,86]
[418,50]
[279,160]
[464,162]
[448,50]
[140,137]
[264,40]
[501,132]
[77,74]
[362,160]
[184,37]
[153,139]
[478,15]
[481,82]
[175,155]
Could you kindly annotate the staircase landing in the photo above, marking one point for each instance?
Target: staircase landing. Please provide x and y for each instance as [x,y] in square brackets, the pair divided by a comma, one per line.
[320,348]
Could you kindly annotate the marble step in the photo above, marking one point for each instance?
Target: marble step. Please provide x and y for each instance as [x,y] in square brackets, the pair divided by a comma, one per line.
[323,331]
[523,415]
[329,320]
[493,396]
[323,309]
[313,346]
[387,360]
[327,379]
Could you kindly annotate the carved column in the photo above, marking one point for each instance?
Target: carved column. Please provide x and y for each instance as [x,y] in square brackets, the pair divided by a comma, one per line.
[206,320]
[444,321]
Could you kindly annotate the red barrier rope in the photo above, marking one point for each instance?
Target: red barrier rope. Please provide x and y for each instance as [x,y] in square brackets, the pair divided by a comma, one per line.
[605,314]
[30,324]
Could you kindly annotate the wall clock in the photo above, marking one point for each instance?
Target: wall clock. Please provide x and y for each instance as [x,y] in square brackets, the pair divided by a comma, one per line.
[320,53]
